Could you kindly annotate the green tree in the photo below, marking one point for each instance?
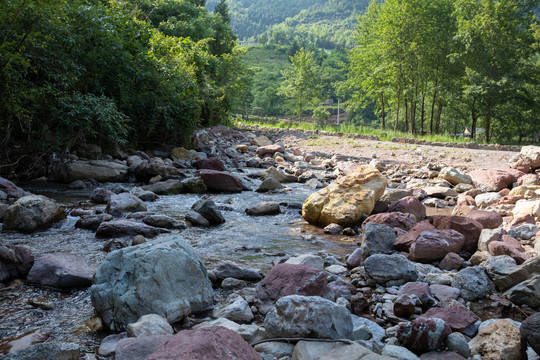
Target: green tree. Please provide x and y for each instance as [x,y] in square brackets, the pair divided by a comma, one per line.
[301,81]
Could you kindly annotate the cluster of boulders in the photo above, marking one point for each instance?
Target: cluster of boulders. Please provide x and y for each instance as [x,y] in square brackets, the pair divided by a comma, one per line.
[459,285]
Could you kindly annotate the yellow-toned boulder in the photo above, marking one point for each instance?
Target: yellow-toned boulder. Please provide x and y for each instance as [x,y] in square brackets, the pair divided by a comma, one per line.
[345,201]
[527,191]
[499,341]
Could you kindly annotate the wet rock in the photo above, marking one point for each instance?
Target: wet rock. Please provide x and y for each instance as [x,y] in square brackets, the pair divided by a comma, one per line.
[165,277]
[92,222]
[15,262]
[209,210]
[333,229]
[530,331]
[308,316]
[109,343]
[121,228]
[423,334]
[139,348]
[32,213]
[149,325]
[451,261]
[474,283]
[457,317]
[232,270]
[307,259]
[403,242]
[454,176]
[432,246]
[488,219]
[217,342]
[99,170]
[345,201]
[163,221]
[61,270]
[269,185]
[394,220]
[46,351]
[196,219]
[377,239]
[279,176]
[264,208]
[289,279]
[11,190]
[220,181]
[305,350]
[492,179]
[211,163]
[168,187]
[390,269]
[411,205]
[101,195]
[124,203]
[146,195]
[467,227]
[499,341]
[238,311]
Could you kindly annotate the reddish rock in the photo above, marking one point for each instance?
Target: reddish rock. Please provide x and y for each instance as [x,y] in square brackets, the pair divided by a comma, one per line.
[511,241]
[421,290]
[497,248]
[403,242]
[410,205]
[521,220]
[509,199]
[457,317]
[494,179]
[208,343]
[462,210]
[220,181]
[359,304]
[15,262]
[404,306]
[355,259]
[444,292]
[504,192]
[529,179]
[451,261]
[469,228]
[11,189]
[433,246]
[523,164]
[488,219]
[290,279]
[423,334]
[212,163]
[393,220]
[464,199]
[270,149]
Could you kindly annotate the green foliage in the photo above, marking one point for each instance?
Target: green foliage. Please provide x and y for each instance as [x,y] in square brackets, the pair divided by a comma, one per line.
[321,115]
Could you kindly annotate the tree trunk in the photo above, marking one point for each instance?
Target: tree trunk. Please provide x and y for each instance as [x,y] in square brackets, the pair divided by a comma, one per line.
[474,119]
[406,115]
[382,110]
[397,110]
[422,113]
[439,112]
[433,107]
[488,120]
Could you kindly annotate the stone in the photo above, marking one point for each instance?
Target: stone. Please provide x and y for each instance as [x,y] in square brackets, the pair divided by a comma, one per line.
[269,185]
[182,153]
[139,348]
[497,248]
[532,153]
[277,349]
[333,229]
[524,232]
[457,342]
[488,236]
[404,241]
[457,317]
[377,239]
[493,179]
[469,228]
[527,207]
[196,219]
[336,269]
[394,220]
[220,181]
[15,262]
[411,205]
[46,351]
[279,176]
[308,316]
[398,352]
[451,261]
[109,343]
[423,334]
[124,203]
[32,213]
[307,259]
[194,185]
[145,195]
[218,343]
[209,210]
[487,199]
[444,292]
[313,350]
[499,341]
[355,259]
[269,149]
[163,221]
[488,219]
[248,332]
[421,290]
[441,355]
[261,141]
[211,163]
[238,311]
[474,283]
[232,270]
[530,331]
[167,187]
[101,195]
[390,269]
[11,190]
[440,192]
[121,228]
[61,270]
[454,176]
[149,325]
[92,222]
[164,277]
[404,306]
[508,274]
[232,283]
[433,246]
[526,292]
[264,208]
[289,279]
[348,198]
[99,170]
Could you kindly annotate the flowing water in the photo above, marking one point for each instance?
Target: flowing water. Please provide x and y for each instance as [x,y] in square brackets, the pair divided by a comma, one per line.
[252,241]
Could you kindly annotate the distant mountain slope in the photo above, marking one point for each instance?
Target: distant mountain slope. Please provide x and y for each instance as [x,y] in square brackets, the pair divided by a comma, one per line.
[250,18]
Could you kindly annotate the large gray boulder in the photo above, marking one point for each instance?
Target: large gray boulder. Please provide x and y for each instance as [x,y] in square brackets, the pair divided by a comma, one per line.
[377,239]
[474,283]
[99,170]
[308,316]
[390,270]
[62,270]
[32,213]
[124,203]
[164,277]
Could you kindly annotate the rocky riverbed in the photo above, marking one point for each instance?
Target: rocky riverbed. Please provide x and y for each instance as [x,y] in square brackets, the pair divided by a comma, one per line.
[276,245]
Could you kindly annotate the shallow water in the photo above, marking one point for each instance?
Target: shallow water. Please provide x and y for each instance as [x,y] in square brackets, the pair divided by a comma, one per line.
[253,241]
